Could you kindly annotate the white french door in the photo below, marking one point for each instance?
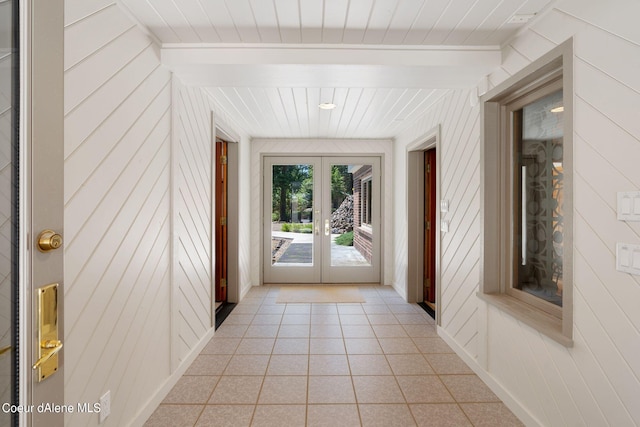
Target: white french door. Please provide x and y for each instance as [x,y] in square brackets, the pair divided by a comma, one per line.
[321,220]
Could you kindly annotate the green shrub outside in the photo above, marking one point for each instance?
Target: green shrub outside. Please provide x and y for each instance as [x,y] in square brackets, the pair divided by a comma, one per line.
[345,239]
[297,227]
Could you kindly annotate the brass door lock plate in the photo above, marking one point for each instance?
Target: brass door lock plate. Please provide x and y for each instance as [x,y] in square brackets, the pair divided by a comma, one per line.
[49,344]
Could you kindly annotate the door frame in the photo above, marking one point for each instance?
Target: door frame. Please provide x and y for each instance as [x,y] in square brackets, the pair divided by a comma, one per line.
[220,130]
[323,274]
[260,147]
[415,218]
[42,80]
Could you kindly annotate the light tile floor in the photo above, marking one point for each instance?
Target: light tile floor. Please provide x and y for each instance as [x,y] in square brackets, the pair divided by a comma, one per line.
[379,363]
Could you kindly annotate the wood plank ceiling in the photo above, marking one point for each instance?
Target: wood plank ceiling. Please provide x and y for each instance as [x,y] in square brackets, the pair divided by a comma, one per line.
[376,97]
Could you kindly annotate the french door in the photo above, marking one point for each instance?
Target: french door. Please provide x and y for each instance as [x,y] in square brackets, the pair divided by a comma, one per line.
[321,220]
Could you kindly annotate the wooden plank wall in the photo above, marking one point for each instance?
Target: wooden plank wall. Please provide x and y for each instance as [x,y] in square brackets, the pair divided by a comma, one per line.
[192,189]
[192,211]
[597,381]
[459,165]
[117,204]
[130,282]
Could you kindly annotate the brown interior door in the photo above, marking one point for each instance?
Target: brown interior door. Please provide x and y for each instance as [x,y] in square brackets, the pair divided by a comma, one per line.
[221,220]
[429,269]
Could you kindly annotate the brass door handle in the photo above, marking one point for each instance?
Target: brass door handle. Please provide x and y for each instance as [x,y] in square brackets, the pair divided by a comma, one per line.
[327,228]
[53,347]
[317,226]
[5,350]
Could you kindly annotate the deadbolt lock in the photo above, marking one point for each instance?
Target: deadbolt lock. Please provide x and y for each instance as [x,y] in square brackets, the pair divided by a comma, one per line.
[49,240]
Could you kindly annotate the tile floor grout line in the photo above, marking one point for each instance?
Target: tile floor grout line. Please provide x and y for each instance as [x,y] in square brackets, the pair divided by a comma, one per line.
[353,384]
[255,406]
[264,376]
[306,420]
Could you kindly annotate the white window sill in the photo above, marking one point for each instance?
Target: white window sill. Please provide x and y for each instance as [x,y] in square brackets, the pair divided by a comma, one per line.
[537,319]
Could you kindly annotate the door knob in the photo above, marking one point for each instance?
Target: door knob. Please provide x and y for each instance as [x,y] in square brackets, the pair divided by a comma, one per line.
[49,240]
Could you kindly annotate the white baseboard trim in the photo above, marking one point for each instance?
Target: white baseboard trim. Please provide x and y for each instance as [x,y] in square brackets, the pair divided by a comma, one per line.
[401,292]
[150,406]
[514,405]
[244,291]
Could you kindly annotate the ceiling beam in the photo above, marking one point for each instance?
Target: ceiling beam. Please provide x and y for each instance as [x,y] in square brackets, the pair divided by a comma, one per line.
[418,56]
[331,66]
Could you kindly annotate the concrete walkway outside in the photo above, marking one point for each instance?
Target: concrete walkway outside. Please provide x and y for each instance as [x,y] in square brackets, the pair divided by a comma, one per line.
[300,251]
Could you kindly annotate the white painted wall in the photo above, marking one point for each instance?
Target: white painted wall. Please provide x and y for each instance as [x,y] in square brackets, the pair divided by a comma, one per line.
[132,285]
[597,381]
[303,147]
[195,117]
[117,203]
[193,252]
[459,169]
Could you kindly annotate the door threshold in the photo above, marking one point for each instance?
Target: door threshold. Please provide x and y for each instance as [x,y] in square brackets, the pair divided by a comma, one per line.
[322,284]
[222,311]
[430,308]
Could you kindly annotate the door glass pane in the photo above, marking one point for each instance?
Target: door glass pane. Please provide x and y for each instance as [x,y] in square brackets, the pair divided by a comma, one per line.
[292,215]
[351,214]
[8,125]
[540,228]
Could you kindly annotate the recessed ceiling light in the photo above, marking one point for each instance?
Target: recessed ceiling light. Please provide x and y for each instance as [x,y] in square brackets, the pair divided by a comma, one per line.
[521,18]
[557,109]
[327,106]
